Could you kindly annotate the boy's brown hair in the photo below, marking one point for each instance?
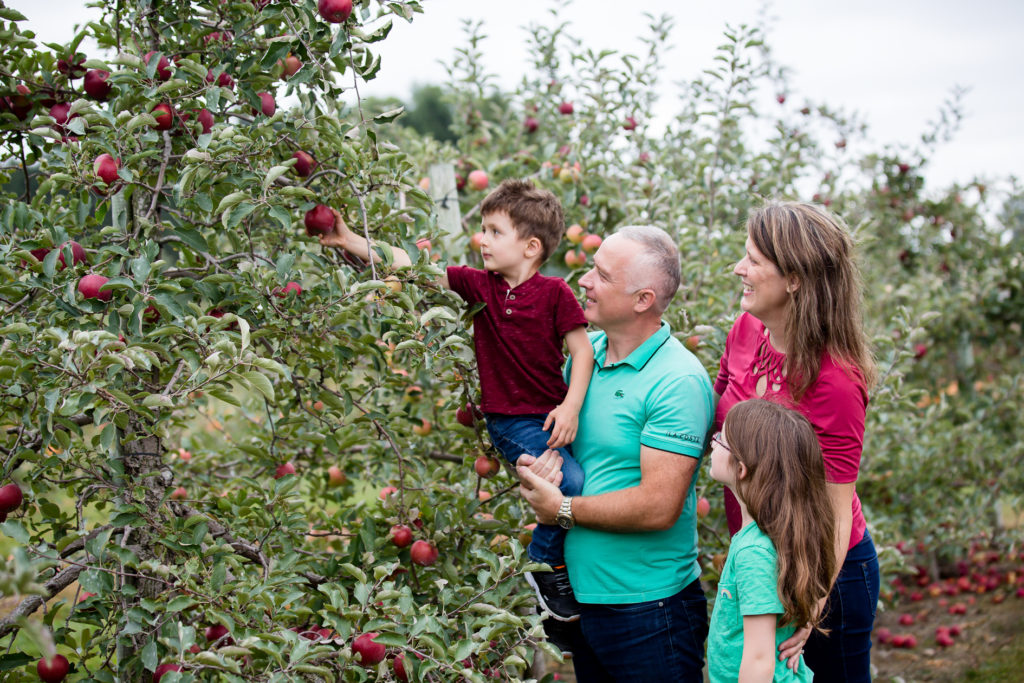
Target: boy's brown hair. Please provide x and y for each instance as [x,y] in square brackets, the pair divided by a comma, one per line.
[534,212]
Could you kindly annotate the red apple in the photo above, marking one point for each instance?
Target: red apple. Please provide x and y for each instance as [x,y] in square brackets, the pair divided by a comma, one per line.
[90,287]
[474,241]
[531,124]
[486,467]
[703,507]
[467,415]
[478,179]
[335,477]
[629,123]
[105,166]
[217,633]
[59,112]
[574,259]
[53,670]
[401,535]
[71,66]
[166,668]
[590,243]
[287,289]
[387,491]
[205,118]
[780,98]
[164,115]
[179,493]
[422,429]
[96,85]
[574,233]
[906,620]
[423,553]
[10,497]
[565,108]
[284,469]
[19,104]
[78,254]
[304,165]
[399,665]
[370,653]
[692,342]
[884,635]
[584,200]
[163,67]
[267,104]
[290,66]
[319,220]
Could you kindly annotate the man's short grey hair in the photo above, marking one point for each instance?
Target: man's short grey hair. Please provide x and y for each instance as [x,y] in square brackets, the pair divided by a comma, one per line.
[657,267]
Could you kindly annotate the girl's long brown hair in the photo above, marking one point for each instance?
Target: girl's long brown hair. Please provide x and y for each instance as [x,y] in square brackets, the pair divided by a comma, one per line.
[784,491]
[808,242]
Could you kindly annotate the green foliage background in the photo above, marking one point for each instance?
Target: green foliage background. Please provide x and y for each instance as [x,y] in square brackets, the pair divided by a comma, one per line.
[204,229]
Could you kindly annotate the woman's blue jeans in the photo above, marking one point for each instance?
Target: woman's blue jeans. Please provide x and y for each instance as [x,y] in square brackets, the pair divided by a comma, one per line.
[844,655]
[514,435]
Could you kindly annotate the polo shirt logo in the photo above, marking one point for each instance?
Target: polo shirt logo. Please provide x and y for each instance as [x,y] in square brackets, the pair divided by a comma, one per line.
[619,394]
[686,437]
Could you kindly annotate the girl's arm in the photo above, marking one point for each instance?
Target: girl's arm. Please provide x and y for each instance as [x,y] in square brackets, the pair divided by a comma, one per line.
[564,419]
[758,663]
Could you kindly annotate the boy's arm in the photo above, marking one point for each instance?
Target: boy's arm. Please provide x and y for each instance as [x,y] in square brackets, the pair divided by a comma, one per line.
[344,238]
[758,663]
[564,419]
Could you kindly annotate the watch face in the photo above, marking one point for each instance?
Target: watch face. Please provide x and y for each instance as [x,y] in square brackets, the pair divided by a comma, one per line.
[565,522]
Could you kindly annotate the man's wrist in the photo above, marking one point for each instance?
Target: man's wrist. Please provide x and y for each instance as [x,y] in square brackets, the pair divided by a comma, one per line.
[564,517]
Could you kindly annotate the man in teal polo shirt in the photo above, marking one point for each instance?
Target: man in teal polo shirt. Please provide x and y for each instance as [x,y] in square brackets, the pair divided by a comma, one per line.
[632,547]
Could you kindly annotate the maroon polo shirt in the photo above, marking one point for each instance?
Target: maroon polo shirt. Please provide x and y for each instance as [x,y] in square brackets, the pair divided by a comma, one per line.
[518,338]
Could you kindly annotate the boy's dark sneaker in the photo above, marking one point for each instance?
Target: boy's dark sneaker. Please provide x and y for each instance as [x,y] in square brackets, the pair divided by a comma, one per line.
[561,634]
[554,593]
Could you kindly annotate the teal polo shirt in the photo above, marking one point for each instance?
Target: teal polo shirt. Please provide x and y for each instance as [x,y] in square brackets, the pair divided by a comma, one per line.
[659,396]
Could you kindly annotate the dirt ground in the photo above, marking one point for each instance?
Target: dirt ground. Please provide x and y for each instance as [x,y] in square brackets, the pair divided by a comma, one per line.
[989,647]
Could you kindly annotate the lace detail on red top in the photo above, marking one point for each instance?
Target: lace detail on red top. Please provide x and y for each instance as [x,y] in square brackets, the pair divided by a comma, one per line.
[768,366]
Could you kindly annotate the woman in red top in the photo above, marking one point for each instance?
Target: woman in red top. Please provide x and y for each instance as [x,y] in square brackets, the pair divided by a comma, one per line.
[800,342]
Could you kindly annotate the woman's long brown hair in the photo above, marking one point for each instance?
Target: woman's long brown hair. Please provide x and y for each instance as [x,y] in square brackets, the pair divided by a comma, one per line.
[824,315]
[784,491]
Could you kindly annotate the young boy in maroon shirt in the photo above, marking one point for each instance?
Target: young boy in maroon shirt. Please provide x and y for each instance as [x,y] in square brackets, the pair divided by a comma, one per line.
[518,340]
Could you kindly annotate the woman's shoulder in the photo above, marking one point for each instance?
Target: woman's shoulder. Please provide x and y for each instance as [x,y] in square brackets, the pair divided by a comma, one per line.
[837,378]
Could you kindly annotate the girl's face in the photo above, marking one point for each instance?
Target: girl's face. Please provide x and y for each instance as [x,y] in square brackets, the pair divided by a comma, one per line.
[723,467]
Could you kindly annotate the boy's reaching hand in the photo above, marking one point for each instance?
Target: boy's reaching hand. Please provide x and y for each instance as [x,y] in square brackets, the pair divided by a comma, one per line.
[340,236]
[563,422]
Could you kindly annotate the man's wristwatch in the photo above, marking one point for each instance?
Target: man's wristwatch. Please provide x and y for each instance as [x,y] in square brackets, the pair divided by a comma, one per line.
[564,516]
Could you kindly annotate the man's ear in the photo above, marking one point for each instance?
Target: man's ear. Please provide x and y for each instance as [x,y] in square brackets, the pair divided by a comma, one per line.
[645,299]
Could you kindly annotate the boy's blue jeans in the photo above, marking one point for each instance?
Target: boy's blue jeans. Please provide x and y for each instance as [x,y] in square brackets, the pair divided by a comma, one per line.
[514,435]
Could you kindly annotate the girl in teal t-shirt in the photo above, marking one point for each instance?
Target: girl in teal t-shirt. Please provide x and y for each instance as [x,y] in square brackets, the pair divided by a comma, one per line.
[781,562]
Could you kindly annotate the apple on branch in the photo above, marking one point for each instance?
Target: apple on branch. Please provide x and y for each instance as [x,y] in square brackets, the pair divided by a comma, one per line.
[96,85]
[334,11]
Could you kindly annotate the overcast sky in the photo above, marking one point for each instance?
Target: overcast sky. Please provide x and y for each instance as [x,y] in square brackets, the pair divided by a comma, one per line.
[894,62]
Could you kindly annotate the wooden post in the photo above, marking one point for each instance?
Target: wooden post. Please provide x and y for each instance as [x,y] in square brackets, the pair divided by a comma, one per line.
[446,198]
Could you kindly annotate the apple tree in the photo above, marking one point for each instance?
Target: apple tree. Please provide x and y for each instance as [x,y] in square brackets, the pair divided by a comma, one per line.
[235,454]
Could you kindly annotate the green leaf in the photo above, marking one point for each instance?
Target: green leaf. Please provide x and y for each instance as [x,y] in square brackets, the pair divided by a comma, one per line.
[11,14]
[149,656]
[275,173]
[282,216]
[233,199]
[192,238]
[389,116]
[260,382]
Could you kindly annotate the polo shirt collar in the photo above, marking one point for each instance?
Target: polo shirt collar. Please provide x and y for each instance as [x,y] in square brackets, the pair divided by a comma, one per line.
[641,354]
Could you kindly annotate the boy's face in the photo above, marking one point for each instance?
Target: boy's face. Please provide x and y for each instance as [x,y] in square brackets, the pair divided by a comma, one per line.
[502,248]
